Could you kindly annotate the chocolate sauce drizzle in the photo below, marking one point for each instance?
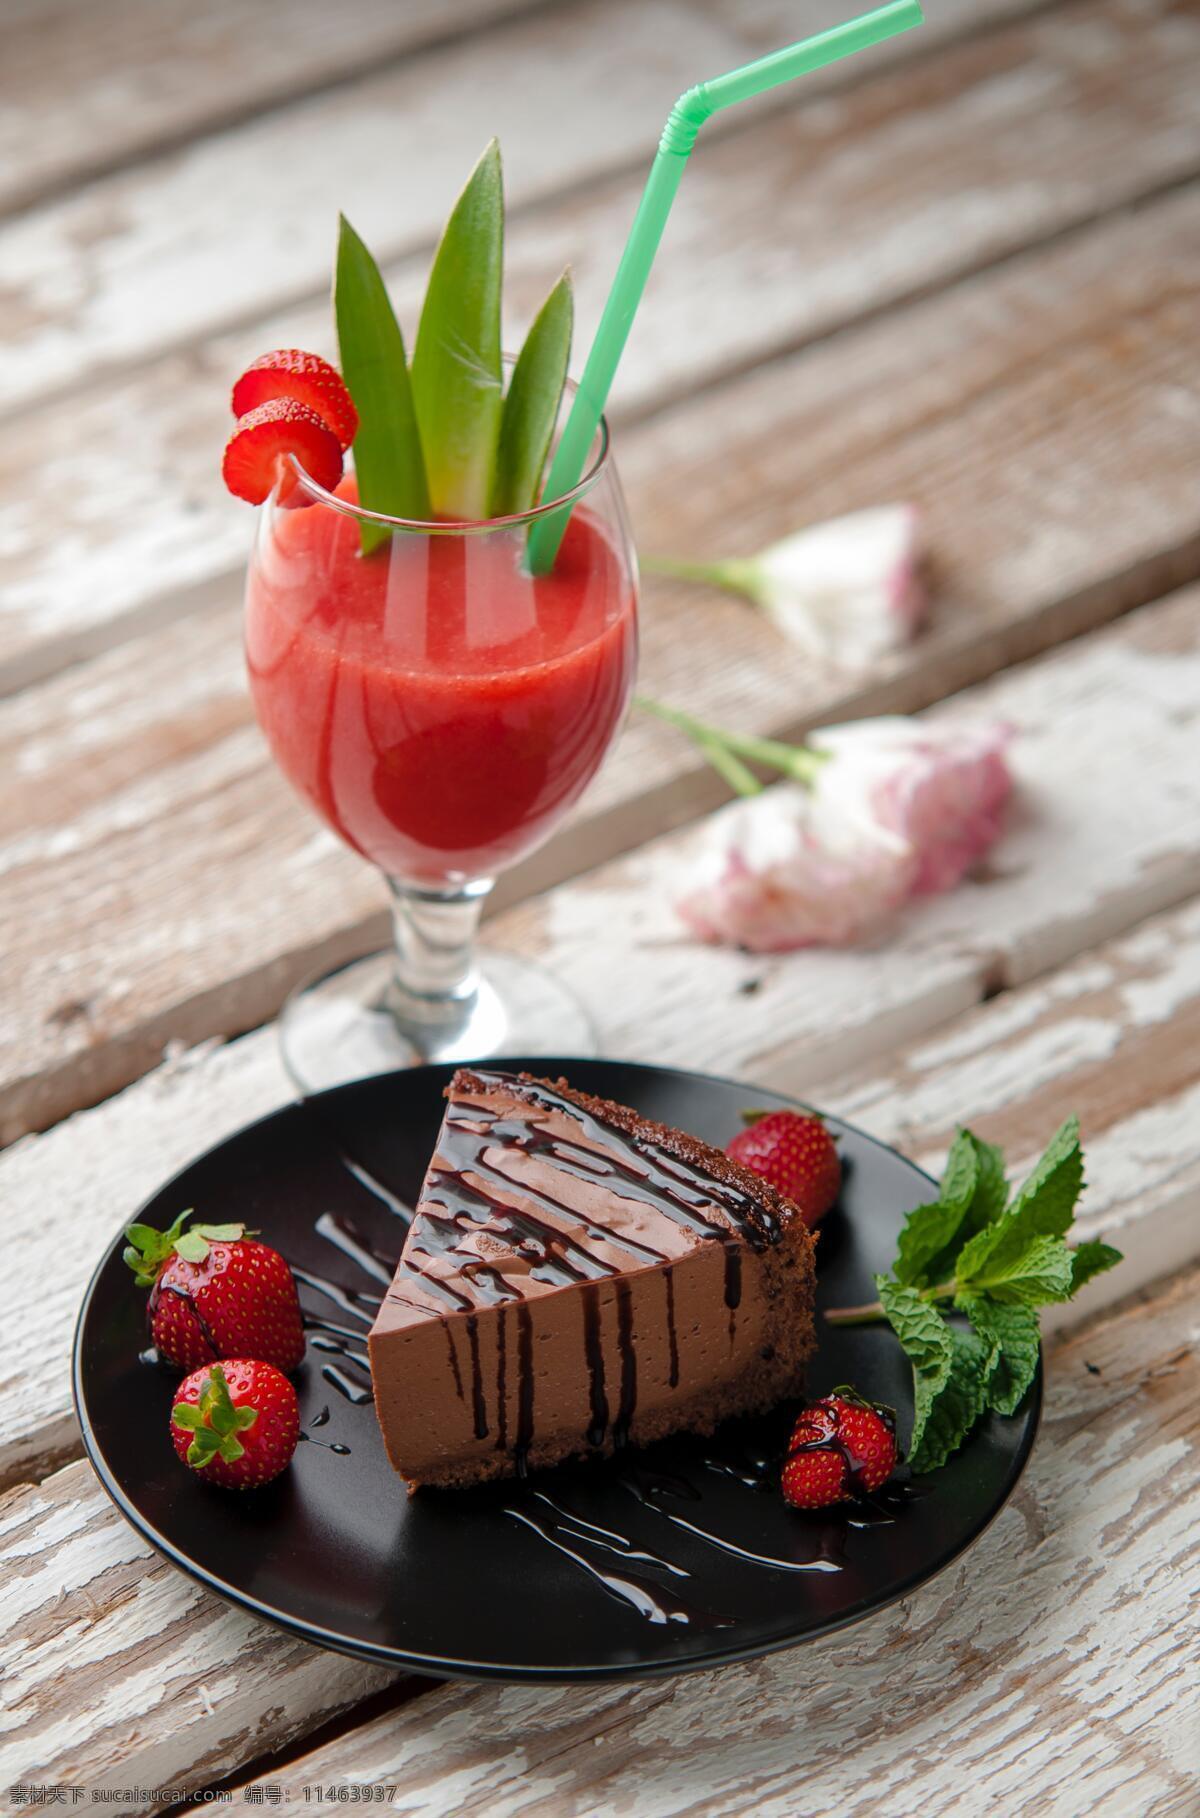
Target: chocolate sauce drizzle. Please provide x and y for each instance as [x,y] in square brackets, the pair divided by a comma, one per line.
[524,1387]
[185,1295]
[478,1403]
[337,1379]
[594,1354]
[321,1419]
[628,1357]
[651,1602]
[672,1336]
[346,1238]
[647,1488]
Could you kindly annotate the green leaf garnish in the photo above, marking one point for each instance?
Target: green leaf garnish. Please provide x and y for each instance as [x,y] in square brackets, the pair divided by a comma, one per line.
[974,1252]
[531,406]
[388,460]
[945,1415]
[1089,1259]
[1014,1332]
[920,1328]
[214,1422]
[148,1249]
[457,380]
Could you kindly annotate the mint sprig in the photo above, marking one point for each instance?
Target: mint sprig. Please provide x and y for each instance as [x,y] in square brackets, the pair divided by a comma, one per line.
[972,1269]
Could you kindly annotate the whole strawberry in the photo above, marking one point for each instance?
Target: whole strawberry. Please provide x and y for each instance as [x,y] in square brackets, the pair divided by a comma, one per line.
[237,1423]
[795,1152]
[840,1447]
[214,1293]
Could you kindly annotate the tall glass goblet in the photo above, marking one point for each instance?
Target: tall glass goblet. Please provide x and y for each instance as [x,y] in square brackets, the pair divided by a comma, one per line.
[441,710]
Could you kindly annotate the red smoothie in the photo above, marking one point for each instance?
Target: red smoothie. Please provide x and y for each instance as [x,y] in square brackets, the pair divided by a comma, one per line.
[438,707]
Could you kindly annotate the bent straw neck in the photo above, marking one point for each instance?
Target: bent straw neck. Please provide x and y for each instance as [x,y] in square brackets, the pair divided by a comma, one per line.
[693,108]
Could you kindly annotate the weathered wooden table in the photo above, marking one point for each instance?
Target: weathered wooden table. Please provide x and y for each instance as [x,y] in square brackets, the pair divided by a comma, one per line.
[963,270]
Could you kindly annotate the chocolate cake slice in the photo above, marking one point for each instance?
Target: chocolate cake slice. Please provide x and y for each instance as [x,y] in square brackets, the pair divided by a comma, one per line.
[577,1278]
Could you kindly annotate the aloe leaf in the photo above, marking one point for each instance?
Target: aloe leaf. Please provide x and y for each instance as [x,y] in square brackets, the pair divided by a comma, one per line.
[456,372]
[387,448]
[531,407]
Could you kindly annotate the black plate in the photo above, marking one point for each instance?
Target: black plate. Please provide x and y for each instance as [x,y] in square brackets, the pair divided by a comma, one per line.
[448,1582]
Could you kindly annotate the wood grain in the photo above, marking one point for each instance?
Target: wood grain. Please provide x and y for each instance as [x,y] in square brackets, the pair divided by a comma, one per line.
[1065,1617]
[90,88]
[982,404]
[120,1672]
[1051,1669]
[1047,1671]
[1103,835]
[111,515]
[151,257]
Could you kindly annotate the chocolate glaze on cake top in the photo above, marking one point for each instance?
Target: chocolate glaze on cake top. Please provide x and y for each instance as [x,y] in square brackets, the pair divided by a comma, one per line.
[515,1191]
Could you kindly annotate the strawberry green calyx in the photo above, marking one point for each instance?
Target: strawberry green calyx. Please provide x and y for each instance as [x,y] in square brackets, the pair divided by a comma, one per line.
[214,1422]
[754,1114]
[148,1250]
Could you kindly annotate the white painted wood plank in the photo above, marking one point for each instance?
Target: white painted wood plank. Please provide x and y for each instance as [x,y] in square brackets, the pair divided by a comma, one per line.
[1049,1673]
[89,87]
[1097,843]
[149,258]
[110,509]
[118,1672]
[976,404]
[100,275]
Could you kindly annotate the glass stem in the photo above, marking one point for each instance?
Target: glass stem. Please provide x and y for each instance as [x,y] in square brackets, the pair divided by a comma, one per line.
[435,981]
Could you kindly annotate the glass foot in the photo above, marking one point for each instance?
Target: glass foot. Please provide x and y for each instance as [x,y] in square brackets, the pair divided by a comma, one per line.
[347,1025]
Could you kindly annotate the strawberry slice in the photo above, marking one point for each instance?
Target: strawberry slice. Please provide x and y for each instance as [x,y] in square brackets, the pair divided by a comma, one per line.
[289,372]
[255,455]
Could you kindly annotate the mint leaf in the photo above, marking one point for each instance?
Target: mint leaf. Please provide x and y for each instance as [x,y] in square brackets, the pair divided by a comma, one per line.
[388,461]
[1044,1207]
[991,1187]
[988,1200]
[457,379]
[959,1174]
[531,407]
[929,1231]
[1038,1273]
[1091,1258]
[1014,1330]
[920,1328]
[945,1415]
[1046,1202]
[926,1232]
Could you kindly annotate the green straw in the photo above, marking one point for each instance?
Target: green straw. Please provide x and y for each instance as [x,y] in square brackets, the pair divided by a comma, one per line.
[679,135]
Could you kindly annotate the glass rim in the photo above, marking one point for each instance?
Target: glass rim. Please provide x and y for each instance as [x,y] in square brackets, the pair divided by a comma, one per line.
[463,526]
